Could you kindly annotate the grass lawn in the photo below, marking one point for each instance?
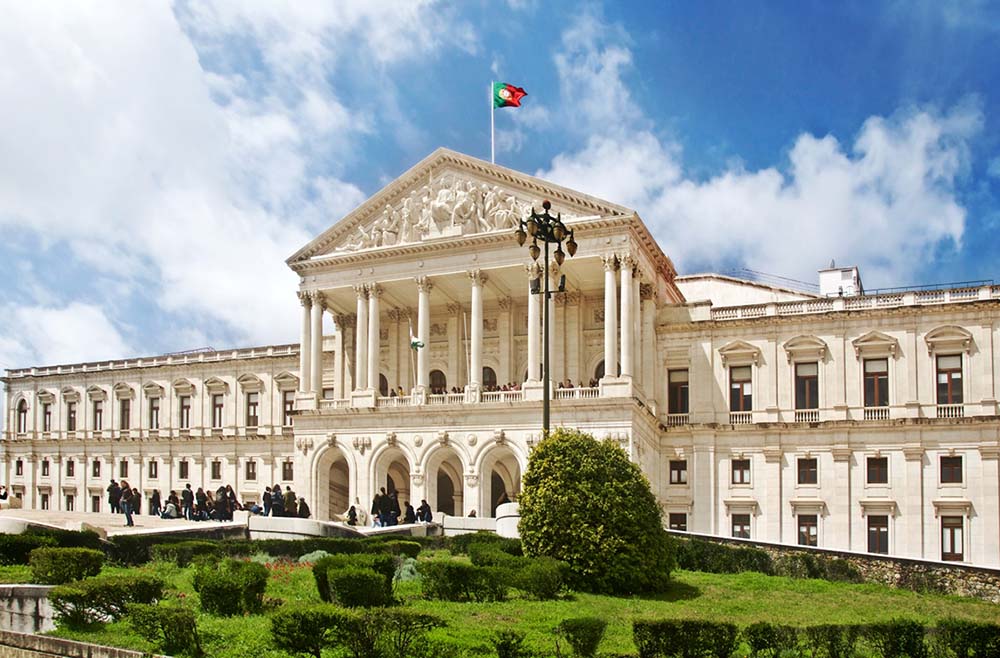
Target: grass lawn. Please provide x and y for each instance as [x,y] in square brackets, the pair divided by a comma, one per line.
[15,573]
[742,598]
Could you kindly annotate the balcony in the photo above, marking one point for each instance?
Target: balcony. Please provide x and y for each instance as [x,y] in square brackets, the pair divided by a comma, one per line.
[582,393]
[807,415]
[876,413]
[675,420]
[493,397]
[740,417]
[393,401]
[950,411]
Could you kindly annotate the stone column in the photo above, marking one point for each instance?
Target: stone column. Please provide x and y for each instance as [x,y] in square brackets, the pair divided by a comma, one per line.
[505,325]
[534,337]
[424,286]
[361,340]
[395,373]
[374,334]
[316,357]
[476,332]
[610,316]
[637,353]
[627,329]
[305,345]
[338,357]
[647,353]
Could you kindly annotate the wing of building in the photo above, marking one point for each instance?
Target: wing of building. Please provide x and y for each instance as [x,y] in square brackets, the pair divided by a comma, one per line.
[851,421]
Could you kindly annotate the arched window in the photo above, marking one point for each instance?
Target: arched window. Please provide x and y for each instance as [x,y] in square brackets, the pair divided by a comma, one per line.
[489,378]
[439,383]
[22,417]
[383,385]
[599,370]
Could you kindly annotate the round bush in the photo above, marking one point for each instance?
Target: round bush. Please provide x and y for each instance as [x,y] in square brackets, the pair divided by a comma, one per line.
[355,587]
[585,503]
[58,566]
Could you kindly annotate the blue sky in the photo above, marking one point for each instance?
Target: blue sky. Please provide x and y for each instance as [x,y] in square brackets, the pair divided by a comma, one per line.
[158,162]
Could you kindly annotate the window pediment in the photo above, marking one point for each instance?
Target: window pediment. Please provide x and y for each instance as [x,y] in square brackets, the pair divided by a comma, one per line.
[70,394]
[46,396]
[286,381]
[97,393]
[808,506]
[124,392]
[152,390]
[952,506]
[805,348]
[183,387]
[949,338]
[216,386]
[739,352]
[742,506]
[250,383]
[884,506]
[875,343]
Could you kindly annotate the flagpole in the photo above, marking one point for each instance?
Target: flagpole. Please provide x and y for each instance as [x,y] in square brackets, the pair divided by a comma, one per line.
[493,157]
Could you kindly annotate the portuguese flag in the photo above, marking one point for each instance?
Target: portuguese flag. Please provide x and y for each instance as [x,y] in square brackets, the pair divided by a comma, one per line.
[506,95]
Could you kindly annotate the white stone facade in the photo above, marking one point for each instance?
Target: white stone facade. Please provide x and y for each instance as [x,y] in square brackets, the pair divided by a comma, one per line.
[855,422]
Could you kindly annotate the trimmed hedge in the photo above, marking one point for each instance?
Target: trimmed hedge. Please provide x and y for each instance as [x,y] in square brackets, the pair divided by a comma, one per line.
[684,638]
[173,629]
[381,563]
[461,544]
[770,640]
[103,598]
[449,580]
[68,538]
[968,639]
[834,641]
[233,587]
[58,566]
[16,549]
[542,578]
[584,634]
[355,587]
[181,553]
[711,557]
[899,638]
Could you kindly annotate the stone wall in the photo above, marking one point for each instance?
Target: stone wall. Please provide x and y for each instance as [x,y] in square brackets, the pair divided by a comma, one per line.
[25,608]
[24,645]
[907,573]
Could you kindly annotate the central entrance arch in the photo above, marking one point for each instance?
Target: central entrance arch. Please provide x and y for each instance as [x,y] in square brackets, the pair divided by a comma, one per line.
[333,478]
[500,478]
[392,471]
[444,482]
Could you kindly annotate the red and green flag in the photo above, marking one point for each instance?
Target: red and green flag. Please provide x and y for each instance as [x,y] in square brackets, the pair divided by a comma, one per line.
[507,95]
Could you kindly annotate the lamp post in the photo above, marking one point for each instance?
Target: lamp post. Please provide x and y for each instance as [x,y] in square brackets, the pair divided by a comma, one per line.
[549,230]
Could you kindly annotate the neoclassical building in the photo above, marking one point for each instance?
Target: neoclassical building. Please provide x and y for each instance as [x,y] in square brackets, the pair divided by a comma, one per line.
[841,419]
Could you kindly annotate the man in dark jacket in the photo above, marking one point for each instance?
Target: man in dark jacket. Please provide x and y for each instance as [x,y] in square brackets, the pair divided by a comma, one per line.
[394,510]
[424,512]
[267,501]
[114,497]
[289,501]
[187,502]
[154,503]
[277,501]
[304,512]
[409,516]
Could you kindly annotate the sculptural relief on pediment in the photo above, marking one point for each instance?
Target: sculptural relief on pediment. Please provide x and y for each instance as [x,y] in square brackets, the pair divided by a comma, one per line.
[450,206]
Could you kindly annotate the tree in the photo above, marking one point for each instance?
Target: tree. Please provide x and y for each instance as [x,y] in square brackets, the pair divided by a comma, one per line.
[585,503]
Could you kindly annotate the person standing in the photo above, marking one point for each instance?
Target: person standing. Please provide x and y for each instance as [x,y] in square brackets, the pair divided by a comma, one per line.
[277,501]
[289,501]
[394,511]
[376,511]
[409,516]
[187,502]
[154,503]
[267,501]
[114,497]
[136,501]
[304,511]
[201,498]
[125,500]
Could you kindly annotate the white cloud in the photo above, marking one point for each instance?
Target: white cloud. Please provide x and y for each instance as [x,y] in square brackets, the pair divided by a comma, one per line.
[50,335]
[885,202]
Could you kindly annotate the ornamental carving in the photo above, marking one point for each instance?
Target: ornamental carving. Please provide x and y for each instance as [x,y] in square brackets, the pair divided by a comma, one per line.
[471,439]
[362,443]
[418,440]
[442,437]
[417,479]
[499,437]
[490,324]
[331,440]
[506,303]
[454,309]
[471,480]
[304,445]
[439,329]
[449,206]
[390,439]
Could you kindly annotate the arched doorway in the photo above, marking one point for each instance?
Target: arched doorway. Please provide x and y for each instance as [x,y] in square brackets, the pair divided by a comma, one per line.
[500,479]
[332,479]
[339,488]
[489,378]
[383,385]
[439,383]
[599,370]
[444,482]
[392,471]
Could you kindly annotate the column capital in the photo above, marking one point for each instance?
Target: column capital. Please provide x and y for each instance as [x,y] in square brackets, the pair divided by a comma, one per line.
[424,283]
[305,298]
[645,291]
[374,290]
[317,298]
[478,277]
[554,268]
[573,297]
[534,270]
[345,320]
[454,308]
[506,303]
[610,262]
[361,290]
[395,314]
[626,261]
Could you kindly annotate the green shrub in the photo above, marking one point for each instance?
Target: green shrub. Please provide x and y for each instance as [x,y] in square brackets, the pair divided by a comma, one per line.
[449,580]
[583,634]
[354,587]
[181,553]
[232,587]
[58,566]
[460,544]
[381,563]
[899,638]
[401,547]
[406,571]
[295,548]
[509,643]
[585,503]
[712,557]
[172,629]
[371,633]
[16,549]
[490,555]
[68,538]
[542,578]
[304,629]
[103,598]
[310,558]
[834,641]
[969,638]
[133,550]
[840,570]
[769,640]
[684,638]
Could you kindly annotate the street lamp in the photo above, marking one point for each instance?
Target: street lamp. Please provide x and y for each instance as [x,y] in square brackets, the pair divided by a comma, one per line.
[550,230]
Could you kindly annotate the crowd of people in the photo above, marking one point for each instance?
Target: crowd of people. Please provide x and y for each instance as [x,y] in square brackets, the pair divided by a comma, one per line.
[386,511]
[201,505]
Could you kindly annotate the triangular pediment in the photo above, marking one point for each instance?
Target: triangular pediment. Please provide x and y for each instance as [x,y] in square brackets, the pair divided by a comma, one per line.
[739,352]
[449,195]
[875,343]
[805,347]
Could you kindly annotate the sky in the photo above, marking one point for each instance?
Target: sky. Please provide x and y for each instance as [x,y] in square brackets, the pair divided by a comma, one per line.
[160,161]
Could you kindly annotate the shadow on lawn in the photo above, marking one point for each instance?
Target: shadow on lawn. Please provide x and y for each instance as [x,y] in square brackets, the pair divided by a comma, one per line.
[676,591]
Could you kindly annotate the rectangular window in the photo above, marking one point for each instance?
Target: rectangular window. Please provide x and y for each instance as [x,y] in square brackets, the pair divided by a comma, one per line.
[70,500]
[123,468]
[46,417]
[740,391]
[19,467]
[45,501]
[678,521]
[216,470]
[287,472]
[951,539]
[951,470]
[741,526]
[95,504]
[878,470]
[184,420]
[124,414]
[154,469]
[98,415]
[741,471]
[71,416]
[288,400]
[808,533]
[808,470]
[876,382]
[677,391]
[878,534]
[949,379]
[154,413]
[251,470]
[217,411]
[678,471]
[45,467]
[70,468]
[807,386]
[95,469]
[253,403]
[182,469]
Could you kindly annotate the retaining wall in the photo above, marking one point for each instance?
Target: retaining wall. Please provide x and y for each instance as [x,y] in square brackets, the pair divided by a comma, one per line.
[25,645]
